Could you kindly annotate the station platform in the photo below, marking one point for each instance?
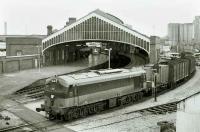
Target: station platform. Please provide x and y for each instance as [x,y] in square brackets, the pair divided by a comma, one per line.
[11,82]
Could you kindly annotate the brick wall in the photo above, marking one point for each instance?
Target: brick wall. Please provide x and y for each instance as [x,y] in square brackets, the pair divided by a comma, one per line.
[27,45]
[17,63]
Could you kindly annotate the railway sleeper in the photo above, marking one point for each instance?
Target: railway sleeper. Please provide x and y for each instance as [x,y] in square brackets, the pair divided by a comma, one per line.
[163,108]
[29,90]
[166,110]
[168,107]
[36,95]
[152,110]
[158,109]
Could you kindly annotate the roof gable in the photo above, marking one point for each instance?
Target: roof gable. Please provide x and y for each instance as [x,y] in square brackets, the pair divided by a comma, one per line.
[105,17]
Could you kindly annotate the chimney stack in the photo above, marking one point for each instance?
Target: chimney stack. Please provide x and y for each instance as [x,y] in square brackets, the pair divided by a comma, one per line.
[67,23]
[72,20]
[49,30]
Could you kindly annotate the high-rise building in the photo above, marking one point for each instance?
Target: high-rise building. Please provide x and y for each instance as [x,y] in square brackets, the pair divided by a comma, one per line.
[173,33]
[196,23]
[180,33]
[186,33]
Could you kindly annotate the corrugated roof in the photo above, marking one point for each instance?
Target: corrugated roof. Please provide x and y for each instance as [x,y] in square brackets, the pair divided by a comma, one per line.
[108,16]
[114,19]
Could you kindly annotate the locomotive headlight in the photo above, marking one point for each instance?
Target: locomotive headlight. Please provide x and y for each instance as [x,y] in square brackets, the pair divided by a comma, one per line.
[54,80]
[52,96]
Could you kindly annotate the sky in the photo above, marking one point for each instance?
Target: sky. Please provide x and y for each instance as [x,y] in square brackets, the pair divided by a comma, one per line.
[149,17]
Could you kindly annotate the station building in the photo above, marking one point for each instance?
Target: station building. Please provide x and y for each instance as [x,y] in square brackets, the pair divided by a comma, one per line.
[17,46]
[20,52]
[66,44]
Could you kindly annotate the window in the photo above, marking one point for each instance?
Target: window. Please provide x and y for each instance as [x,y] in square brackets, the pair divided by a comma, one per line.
[70,91]
[19,52]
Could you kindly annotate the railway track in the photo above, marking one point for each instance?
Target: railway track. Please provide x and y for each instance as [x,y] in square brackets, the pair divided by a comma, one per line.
[42,125]
[29,94]
[159,109]
[33,92]
[155,110]
[30,90]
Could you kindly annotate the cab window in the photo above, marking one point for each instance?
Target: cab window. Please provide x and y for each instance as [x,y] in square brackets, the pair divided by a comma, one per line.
[70,91]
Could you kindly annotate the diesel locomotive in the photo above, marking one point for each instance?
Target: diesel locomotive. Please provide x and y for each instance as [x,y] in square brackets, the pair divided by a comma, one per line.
[78,95]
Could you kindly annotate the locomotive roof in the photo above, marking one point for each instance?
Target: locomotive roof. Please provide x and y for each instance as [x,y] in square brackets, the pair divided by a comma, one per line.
[98,76]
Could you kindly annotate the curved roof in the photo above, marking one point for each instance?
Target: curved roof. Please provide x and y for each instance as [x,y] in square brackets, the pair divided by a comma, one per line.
[108,16]
[133,37]
[98,76]
[105,15]
[114,19]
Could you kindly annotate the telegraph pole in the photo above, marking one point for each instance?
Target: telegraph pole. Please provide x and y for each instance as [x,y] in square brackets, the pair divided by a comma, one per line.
[39,65]
[154,88]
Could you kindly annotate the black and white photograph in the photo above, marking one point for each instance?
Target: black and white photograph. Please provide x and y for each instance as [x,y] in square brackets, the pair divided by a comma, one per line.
[99,66]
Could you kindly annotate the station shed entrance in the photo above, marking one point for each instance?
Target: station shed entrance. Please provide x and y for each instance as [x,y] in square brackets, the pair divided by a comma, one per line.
[67,44]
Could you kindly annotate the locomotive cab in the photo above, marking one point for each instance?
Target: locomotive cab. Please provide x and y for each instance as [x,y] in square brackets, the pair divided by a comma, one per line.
[54,94]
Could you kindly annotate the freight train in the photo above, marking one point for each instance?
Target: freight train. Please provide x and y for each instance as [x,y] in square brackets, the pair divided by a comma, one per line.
[174,72]
[72,96]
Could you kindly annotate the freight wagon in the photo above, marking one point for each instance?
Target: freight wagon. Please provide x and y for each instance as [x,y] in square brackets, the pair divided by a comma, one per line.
[173,72]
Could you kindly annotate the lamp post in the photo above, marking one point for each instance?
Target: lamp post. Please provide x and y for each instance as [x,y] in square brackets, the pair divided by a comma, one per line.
[154,84]
[109,50]
[38,57]
[66,53]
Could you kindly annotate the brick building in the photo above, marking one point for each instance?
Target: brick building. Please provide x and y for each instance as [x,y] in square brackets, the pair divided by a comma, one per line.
[155,49]
[26,45]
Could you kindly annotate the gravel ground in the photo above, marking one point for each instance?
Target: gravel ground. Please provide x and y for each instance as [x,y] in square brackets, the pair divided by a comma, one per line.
[8,119]
[134,122]
[34,105]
